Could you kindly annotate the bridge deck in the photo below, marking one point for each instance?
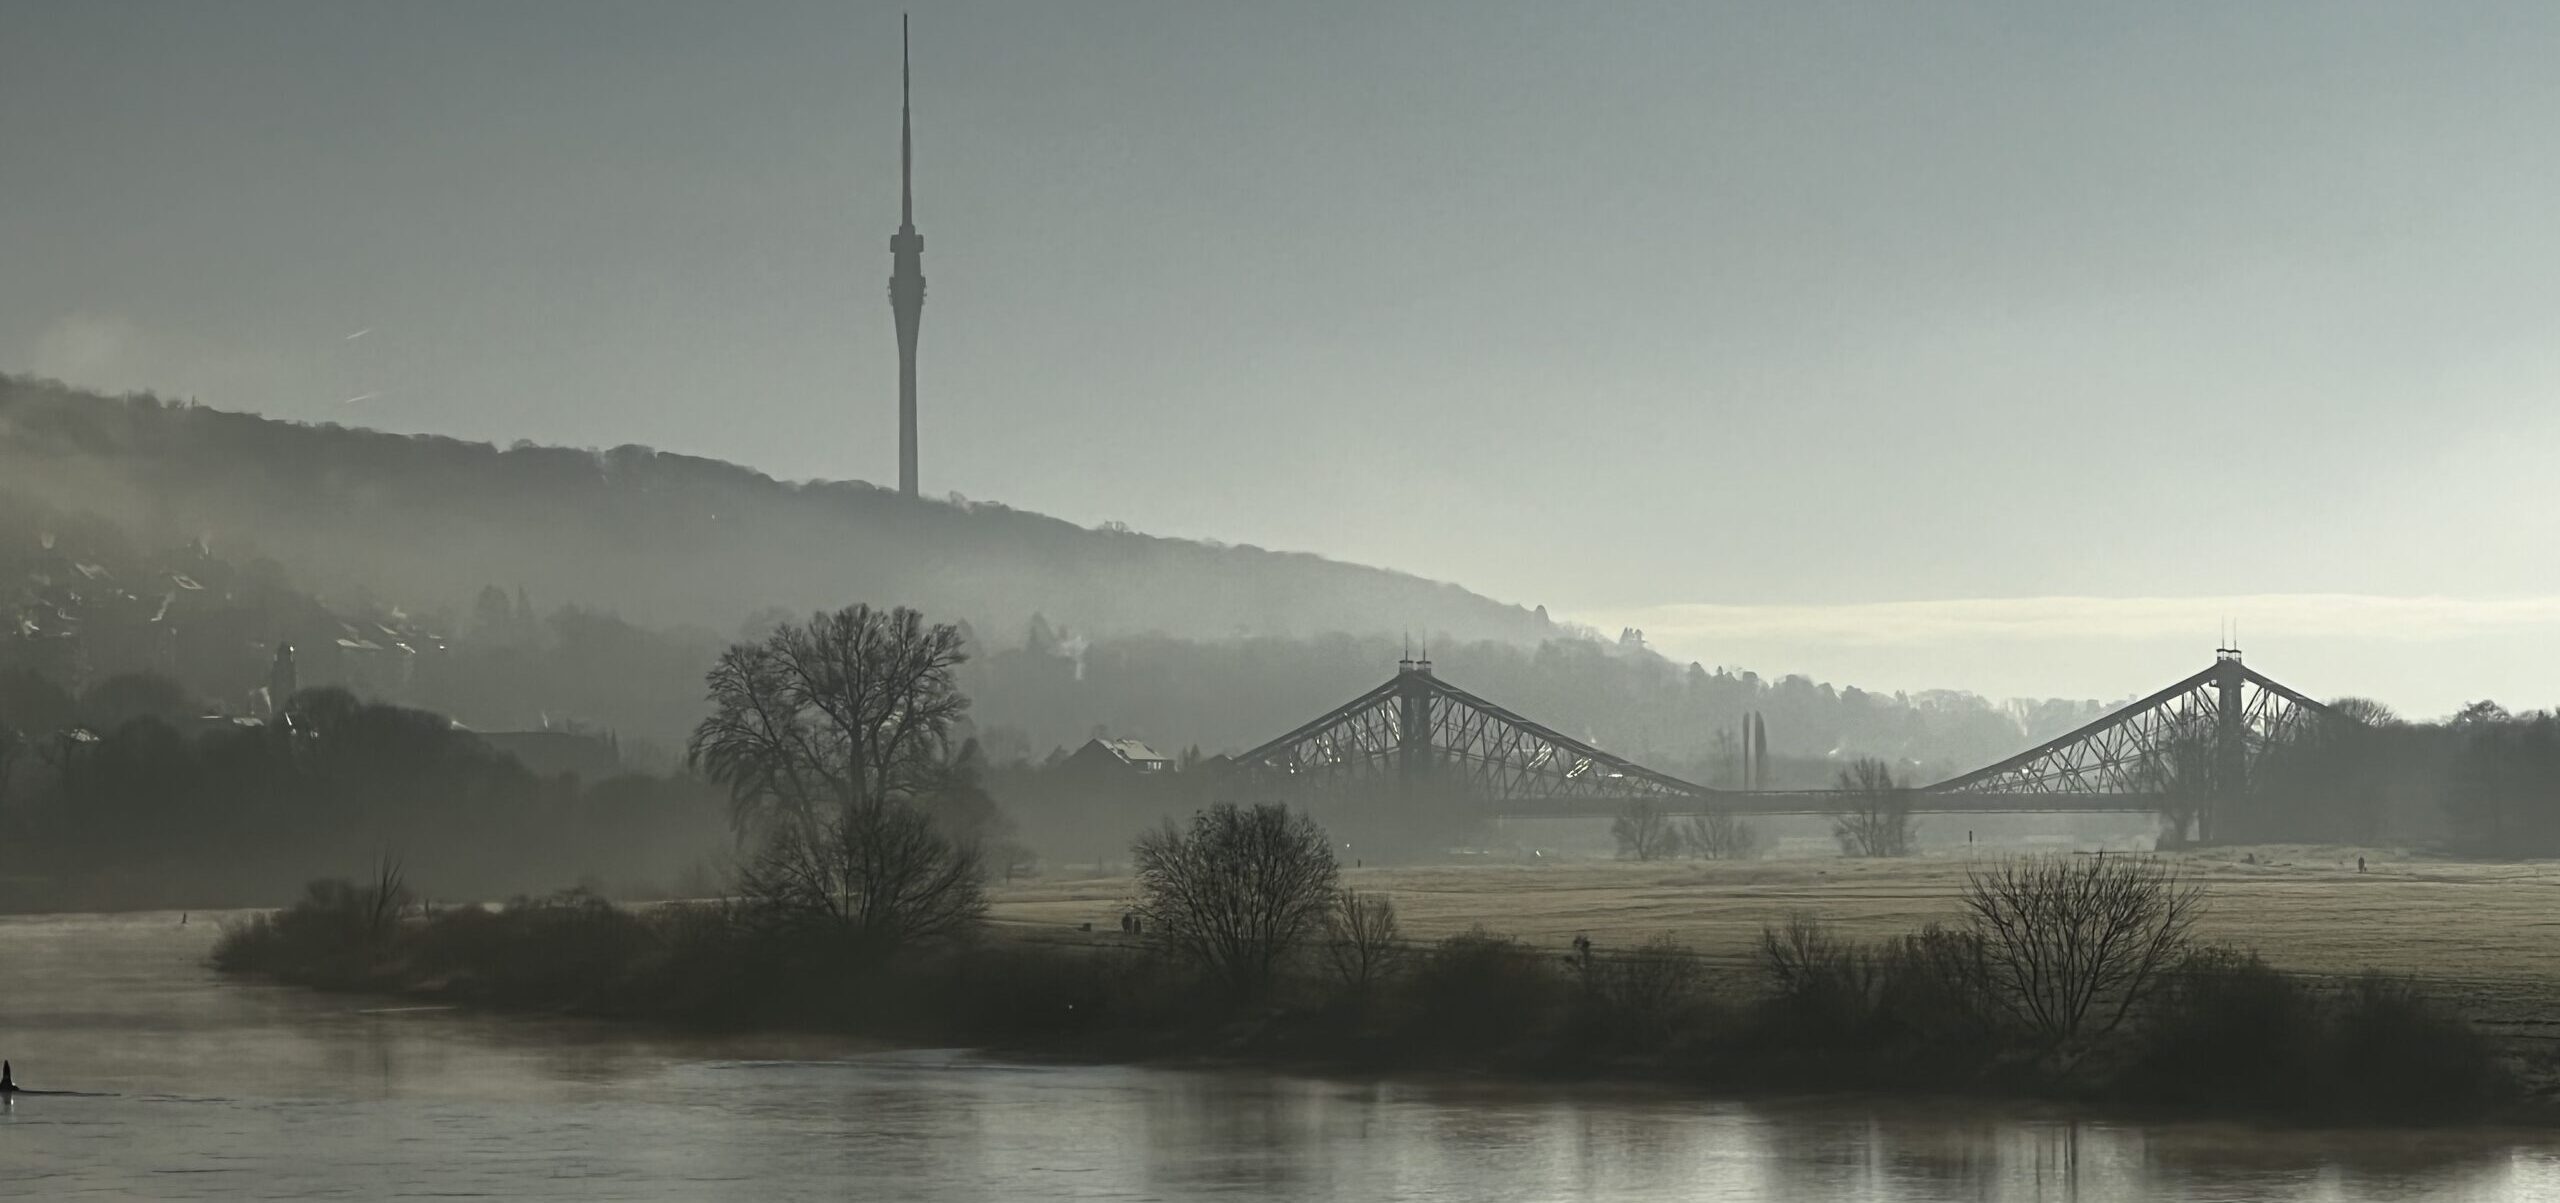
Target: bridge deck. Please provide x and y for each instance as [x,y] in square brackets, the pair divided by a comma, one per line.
[1829,802]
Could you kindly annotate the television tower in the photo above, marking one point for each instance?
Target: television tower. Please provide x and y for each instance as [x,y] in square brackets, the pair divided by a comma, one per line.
[906,277]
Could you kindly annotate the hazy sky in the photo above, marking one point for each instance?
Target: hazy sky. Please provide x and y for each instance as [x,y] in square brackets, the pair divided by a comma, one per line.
[1815,332]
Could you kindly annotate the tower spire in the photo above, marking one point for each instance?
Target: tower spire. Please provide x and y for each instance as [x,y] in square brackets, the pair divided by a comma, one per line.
[906,273]
[906,133]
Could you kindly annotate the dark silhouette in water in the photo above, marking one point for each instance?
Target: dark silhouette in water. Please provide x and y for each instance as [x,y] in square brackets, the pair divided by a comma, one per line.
[9,1088]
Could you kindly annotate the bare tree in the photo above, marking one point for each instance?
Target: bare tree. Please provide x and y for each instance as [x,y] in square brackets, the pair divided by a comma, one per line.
[1361,938]
[2182,774]
[848,709]
[1826,981]
[1720,834]
[1238,890]
[352,915]
[1875,812]
[2069,946]
[2364,712]
[385,898]
[1644,832]
[834,740]
[880,873]
[953,790]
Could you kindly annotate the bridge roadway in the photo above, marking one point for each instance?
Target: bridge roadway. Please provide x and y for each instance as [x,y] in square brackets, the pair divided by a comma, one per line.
[1827,802]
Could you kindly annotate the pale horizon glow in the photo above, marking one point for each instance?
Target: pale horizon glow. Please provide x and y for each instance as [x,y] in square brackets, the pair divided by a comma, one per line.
[2107,649]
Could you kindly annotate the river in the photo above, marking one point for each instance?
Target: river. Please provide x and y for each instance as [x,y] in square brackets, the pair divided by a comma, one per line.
[206,1088]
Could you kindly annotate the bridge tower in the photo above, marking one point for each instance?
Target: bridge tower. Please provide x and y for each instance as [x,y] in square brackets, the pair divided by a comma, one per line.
[1417,759]
[2230,736]
[906,276]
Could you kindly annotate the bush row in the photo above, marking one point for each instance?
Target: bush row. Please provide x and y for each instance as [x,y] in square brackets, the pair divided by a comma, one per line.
[2224,1031]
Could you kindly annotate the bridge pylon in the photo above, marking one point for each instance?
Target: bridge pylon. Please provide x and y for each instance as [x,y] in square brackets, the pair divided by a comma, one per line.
[2230,738]
[1417,762]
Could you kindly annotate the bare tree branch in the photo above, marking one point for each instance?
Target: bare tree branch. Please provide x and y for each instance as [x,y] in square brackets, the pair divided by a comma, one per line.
[1643,832]
[1875,812]
[1237,891]
[2068,947]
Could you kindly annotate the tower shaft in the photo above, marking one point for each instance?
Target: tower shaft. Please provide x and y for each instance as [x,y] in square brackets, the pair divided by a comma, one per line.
[906,275]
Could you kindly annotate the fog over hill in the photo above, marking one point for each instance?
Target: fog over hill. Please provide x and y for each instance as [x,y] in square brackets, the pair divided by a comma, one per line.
[424,522]
[519,588]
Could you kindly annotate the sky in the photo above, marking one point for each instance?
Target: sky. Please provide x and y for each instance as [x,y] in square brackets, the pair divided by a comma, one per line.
[2013,347]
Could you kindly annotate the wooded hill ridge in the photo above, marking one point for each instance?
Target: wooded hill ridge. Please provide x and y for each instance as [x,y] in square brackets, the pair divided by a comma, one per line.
[425,521]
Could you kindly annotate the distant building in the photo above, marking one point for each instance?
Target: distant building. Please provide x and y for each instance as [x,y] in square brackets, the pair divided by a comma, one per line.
[1127,754]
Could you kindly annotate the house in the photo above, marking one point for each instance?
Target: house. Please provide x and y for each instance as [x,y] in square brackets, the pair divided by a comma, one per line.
[1120,754]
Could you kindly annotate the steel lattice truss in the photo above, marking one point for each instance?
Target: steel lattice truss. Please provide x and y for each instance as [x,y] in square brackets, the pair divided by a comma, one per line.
[2208,731]
[1417,731]
[1417,735]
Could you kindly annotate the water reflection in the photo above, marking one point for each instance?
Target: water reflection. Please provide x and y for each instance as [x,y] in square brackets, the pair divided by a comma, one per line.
[226,1090]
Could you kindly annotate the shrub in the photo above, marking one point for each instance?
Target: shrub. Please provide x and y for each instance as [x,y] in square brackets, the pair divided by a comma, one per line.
[2402,1056]
[2226,1029]
[880,874]
[1927,990]
[1842,1013]
[1361,938]
[711,963]
[571,949]
[1720,834]
[1004,992]
[1480,992]
[1640,997]
[333,936]
[1643,832]
[1825,986]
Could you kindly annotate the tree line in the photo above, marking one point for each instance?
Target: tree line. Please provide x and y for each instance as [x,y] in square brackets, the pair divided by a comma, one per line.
[123,796]
[2057,976]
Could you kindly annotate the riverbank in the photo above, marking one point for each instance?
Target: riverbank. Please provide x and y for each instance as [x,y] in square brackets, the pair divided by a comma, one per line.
[215,1084]
[2228,1035]
[2476,932]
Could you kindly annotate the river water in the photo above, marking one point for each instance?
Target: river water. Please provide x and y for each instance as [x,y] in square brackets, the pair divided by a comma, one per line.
[212,1089]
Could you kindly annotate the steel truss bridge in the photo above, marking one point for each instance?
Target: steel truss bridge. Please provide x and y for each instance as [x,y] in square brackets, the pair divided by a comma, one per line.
[1420,736]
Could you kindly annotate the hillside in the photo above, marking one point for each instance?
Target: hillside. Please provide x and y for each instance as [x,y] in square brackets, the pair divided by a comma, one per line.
[424,522]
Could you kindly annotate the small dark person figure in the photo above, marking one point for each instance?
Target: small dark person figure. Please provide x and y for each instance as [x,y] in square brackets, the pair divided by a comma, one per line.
[2359,864]
[8,1084]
